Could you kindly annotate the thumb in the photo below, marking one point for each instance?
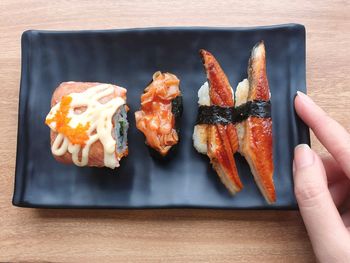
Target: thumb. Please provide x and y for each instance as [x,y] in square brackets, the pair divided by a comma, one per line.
[328,235]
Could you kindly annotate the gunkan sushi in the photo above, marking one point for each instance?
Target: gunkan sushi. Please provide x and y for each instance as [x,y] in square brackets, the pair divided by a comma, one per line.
[161,109]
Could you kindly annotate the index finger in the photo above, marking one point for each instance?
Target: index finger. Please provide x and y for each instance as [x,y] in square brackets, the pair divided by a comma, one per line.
[330,133]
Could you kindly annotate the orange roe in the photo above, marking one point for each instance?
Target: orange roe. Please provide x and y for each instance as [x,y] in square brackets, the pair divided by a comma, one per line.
[77,135]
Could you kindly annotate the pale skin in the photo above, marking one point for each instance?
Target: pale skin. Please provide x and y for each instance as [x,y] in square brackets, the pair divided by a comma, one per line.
[322,185]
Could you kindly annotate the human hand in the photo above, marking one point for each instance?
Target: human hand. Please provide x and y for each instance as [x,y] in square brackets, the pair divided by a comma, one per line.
[322,186]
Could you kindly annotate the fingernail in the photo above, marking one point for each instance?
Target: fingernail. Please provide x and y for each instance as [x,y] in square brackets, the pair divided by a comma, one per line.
[305,97]
[303,156]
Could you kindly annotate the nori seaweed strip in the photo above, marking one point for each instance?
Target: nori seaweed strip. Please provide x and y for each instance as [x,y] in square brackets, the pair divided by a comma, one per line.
[214,114]
[255,108]
[226,115]
[176,109]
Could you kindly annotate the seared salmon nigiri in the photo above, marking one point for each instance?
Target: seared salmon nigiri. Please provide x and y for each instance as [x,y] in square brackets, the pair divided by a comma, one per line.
[255,133]
[161,106]
[218,141]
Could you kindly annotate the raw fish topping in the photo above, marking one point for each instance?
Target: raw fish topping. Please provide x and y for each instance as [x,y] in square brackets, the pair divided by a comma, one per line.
[156,118]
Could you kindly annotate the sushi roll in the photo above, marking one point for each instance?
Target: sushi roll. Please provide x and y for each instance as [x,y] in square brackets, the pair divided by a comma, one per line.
[161,109]
[215,134]
[255,131]
[88,123]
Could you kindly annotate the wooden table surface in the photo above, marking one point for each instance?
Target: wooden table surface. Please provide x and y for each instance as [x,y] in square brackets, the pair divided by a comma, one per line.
[164,235]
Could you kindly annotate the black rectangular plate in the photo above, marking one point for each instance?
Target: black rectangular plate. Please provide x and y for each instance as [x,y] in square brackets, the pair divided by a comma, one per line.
[128,58]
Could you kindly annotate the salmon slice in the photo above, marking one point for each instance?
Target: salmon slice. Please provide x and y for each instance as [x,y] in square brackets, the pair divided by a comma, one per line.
[222,140]
[256,133]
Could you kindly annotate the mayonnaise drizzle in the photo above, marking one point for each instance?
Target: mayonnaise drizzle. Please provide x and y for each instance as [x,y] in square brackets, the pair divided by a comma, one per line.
[99,115]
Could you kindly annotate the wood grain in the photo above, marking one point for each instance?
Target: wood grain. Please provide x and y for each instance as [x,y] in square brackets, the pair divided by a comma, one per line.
[164,235]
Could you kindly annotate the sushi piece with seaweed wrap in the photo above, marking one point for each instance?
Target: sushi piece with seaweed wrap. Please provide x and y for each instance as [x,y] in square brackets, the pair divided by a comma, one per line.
[160,113]
[218,139]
